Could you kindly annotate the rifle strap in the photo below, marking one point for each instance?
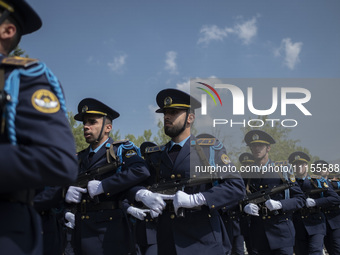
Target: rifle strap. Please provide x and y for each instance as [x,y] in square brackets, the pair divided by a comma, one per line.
[110,154]
[201,155]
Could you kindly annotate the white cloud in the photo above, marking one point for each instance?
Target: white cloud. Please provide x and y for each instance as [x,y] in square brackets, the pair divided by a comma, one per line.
[212,33]
[290,51]
[184,86]
[170,62]
[245,30]
[117,64]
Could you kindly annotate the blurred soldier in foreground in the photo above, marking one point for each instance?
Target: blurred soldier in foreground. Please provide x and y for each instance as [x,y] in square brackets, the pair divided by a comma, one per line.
[190,224]
[37,147]
[309,221]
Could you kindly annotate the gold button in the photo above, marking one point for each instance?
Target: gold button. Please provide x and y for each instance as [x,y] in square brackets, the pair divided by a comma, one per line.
[209,215]
[263,218]
[172,176]
[110,218]
[179,176]
[108,194]
[87,217]
[172,216]
[286,218]
[82,217]
[194,176]
[268,217]
[213,206]
[223,208]
[84,201]
[261,187]
[302,217]
[146,220]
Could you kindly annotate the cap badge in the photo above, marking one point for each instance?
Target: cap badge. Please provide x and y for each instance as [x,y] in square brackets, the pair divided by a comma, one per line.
[246,158]
[84,109]
[255,137]
[297,157]
[167,101]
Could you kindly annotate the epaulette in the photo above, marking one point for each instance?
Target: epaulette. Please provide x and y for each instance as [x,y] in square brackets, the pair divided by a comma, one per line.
[204,141]
[120,141]
[281,163]
[19,61]
[154,149]
[315,176]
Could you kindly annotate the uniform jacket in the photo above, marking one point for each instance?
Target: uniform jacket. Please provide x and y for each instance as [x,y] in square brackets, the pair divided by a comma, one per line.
[201,231]
[314,223]
[44,154]
[332,211]
[276,231]
[104,230]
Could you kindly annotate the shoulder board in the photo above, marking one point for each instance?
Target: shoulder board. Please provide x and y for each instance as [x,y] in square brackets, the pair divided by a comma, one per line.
[19,61]
[204,141]
[154,149]
[315,176]
[281,163]
[120,141]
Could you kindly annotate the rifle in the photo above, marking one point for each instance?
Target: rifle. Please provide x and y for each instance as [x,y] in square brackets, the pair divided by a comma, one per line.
[171,187]
[94,173]
[263,195]
[315,191]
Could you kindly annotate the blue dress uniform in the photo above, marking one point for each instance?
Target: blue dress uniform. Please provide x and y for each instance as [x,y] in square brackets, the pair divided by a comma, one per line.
[272,232]
[102,227]
[201,231]
[37,147]
[332,214]
[309,222]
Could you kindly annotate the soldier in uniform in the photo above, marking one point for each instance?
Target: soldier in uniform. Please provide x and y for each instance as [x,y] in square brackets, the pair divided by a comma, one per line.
[37,146]
[271,226]
[101,226]
[332,212]
[309,221]
[201,230]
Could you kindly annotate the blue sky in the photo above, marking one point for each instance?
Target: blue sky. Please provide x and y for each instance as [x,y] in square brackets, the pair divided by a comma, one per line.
[124,52]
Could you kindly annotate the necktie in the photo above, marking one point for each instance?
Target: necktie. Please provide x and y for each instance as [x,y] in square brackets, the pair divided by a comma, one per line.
[173,153]
[90,156]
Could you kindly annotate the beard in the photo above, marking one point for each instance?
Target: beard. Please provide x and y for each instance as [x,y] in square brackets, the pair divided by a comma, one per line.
[174,131]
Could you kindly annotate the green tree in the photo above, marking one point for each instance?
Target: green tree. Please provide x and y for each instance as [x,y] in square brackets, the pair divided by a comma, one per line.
[78,134]
[18,52]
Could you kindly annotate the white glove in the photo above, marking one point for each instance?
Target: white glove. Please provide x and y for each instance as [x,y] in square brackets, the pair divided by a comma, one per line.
[153,214]
[310,202]
[95,188]
[273,205]
[74,194]
[252,209]
[185,200]
[137,213]
[154,201]
[71,220]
